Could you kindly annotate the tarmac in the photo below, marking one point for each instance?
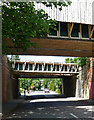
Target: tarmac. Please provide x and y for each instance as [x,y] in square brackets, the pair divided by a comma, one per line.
[11,106]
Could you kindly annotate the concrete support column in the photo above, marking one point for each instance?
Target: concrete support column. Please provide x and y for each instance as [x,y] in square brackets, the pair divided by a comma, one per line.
[33,67]
[60,68]
[91,79]
[68,68]
[77,87]
[43,66]
[23,66]
[13,65]
[56,68]
[51,68]
[18,66]
[47,68]
[28,67]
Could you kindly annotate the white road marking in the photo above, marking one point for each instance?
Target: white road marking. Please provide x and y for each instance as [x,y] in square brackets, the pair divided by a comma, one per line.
[73,115]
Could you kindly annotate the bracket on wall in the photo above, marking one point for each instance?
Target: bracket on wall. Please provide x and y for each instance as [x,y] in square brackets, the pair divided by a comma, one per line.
[70,28]
[91,32]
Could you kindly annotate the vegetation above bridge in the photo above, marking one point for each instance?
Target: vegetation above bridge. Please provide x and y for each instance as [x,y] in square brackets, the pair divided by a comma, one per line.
[17,36]
[21,21]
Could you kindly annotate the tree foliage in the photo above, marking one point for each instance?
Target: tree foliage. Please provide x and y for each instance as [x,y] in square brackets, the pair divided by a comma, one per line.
[14,57]
[58,3]
[36,84]
[21,21]
[25,83]
[81,61]
[54,84]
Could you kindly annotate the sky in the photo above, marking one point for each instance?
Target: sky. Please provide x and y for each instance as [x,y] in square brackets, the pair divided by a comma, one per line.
[42,58]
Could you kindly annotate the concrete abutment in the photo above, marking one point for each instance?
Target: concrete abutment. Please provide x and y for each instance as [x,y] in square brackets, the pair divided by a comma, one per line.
[81,85]
[91,79]
[10,83]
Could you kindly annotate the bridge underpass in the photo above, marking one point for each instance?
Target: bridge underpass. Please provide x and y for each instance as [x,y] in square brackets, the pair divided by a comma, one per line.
[71,40]
[40,107]
[60,107]
[68,84]
[68,87]
[68,73]
[67,77]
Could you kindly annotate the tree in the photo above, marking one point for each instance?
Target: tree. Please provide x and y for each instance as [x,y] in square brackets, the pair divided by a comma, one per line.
[81,61]
[25,83]
[14,57]
[36,84]
[21,21]
[46,83]
[67,60]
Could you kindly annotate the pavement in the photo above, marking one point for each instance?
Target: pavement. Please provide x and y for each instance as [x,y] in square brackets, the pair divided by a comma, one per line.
[69,108]
[9,107]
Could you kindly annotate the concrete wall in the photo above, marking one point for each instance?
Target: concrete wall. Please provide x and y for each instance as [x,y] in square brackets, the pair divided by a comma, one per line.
[10,83]
[85,81]
[82,89]
[91,79]
[81,85]
[80,11]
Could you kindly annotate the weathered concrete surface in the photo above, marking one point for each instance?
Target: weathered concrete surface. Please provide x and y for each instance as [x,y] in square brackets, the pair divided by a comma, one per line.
[57,47]
[91,79]
[82,89]
[10,83]
[85,81]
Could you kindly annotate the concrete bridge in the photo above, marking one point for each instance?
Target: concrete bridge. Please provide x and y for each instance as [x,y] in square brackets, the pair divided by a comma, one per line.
[42,69]
[31,69]
[74,37]
[70,39]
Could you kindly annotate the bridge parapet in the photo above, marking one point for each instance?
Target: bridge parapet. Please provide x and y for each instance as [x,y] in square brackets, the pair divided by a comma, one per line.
[45,67]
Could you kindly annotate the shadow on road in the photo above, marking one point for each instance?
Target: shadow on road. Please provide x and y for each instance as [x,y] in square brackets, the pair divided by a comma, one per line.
[55,108]
[44,96]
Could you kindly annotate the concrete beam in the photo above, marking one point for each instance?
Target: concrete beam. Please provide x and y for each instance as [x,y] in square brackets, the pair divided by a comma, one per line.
[57,47]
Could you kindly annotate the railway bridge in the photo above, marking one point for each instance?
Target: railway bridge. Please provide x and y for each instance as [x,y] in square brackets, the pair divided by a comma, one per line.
[40,69]
[32,69]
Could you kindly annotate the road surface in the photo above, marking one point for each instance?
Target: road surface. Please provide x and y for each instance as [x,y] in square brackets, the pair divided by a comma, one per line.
[54,108]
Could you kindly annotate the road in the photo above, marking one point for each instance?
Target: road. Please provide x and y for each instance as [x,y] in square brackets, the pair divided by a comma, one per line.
[40,93]
[54,108]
